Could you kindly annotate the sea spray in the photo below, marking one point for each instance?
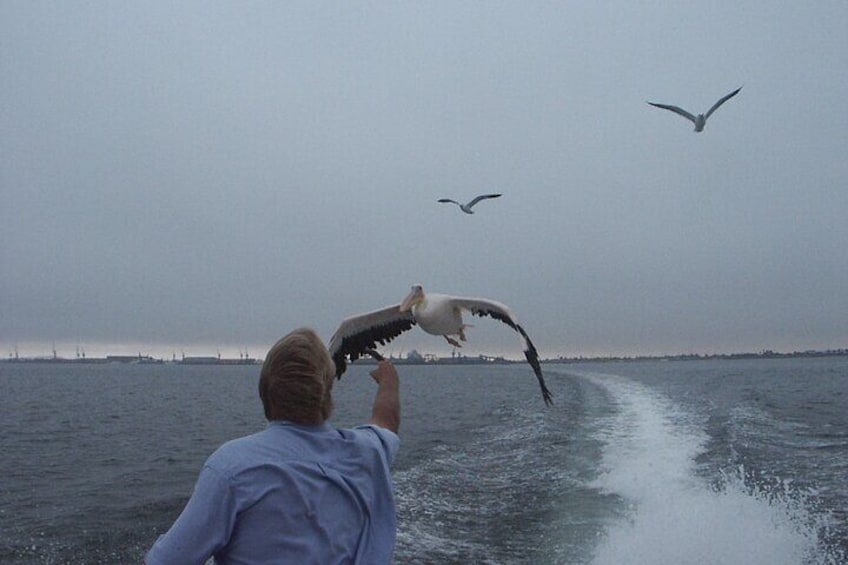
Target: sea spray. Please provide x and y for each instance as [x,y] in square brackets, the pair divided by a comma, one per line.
[671,515]
[737,523]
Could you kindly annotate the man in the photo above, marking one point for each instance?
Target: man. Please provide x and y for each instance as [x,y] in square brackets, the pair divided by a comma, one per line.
[300,491]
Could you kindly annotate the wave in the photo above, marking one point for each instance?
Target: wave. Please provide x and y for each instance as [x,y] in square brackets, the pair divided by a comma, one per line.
[501,488]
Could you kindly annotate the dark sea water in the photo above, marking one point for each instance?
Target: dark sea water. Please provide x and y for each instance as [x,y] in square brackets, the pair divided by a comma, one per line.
[695,462]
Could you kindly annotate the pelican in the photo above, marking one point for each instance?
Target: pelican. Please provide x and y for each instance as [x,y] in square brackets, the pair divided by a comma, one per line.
[701,119]
[437,314]
[467,207]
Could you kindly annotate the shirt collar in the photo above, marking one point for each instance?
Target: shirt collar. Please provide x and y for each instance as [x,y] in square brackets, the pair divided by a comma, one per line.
[323,427]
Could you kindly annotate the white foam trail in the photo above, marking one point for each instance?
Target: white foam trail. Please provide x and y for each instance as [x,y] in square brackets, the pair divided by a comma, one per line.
[673,516]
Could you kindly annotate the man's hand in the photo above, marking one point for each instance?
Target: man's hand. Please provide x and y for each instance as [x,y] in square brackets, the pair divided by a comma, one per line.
[385,372]
[386,411]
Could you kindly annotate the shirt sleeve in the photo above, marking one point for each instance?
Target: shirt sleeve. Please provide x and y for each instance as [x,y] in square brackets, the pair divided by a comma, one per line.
[203,528]
[387,439]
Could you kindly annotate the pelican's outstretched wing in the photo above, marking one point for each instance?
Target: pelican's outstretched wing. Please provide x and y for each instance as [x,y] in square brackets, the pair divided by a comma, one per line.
[722,101]
[676,110]
[483,307]
[482,197]
[358,333]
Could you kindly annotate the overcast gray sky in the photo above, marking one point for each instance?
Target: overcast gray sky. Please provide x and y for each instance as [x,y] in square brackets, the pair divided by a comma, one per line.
[202,176]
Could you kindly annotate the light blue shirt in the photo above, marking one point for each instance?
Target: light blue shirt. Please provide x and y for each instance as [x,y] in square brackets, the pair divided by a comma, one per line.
[290,494]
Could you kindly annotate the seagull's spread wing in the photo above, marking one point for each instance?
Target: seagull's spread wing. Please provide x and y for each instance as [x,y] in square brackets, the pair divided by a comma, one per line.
[449,200]
[482,197]
[501,312]
[722,101]
[357,334]
[676,110]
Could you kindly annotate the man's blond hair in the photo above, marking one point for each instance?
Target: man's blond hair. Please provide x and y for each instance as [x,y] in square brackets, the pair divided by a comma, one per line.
[297,379]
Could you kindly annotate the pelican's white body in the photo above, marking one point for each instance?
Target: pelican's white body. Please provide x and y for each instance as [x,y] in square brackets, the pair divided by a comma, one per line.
[436,315]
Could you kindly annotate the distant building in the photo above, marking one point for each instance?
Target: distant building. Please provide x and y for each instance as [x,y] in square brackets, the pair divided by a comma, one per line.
[130,359]
[200,360]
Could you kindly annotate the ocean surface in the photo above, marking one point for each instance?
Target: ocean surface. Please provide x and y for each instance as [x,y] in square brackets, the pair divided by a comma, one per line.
[680,462]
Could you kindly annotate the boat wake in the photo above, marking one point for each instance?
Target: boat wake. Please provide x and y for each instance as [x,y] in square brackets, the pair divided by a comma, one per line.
[668,513]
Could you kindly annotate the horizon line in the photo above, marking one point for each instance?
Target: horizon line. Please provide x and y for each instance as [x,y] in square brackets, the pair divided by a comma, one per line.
[423,357]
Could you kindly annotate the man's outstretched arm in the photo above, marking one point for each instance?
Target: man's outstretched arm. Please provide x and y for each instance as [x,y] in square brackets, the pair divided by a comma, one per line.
[386,410]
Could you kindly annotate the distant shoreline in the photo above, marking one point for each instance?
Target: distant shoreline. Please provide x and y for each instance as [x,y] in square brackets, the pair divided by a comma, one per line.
[136,360]
[488,360]
[768,354]
[433,360]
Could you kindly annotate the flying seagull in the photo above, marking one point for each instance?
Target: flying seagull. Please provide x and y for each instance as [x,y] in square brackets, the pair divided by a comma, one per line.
[467,207]
[437,314]
[701,119]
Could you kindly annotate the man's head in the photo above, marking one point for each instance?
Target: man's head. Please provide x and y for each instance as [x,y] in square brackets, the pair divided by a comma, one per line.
[297,379]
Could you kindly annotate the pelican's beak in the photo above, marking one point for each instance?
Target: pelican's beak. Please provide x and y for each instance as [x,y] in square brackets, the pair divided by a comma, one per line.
[415,296]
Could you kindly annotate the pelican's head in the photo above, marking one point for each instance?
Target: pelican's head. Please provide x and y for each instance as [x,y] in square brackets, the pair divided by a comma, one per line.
[415,297]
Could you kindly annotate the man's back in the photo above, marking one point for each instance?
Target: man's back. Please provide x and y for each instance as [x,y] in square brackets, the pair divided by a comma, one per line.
[293,493]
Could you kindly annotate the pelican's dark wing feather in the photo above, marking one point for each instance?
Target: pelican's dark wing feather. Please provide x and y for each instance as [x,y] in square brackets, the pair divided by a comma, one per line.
[482,307]
[357,334]
[722,101]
